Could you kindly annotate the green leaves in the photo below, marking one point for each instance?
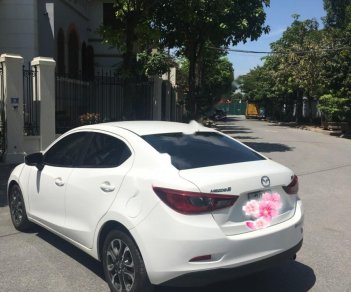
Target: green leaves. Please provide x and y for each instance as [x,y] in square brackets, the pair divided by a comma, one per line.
[155,63]
[334,109]
[307,62]
[188,26]
[338,13]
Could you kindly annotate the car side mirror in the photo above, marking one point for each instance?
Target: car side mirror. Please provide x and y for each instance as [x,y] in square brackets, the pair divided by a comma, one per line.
[35,159]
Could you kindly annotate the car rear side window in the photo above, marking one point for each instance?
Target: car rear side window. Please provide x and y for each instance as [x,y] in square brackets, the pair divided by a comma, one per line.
[66,151]
[105,151]
[201,149]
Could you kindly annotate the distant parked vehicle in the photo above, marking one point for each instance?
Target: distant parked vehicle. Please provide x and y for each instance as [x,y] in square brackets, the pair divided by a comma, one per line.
[262,114]
[252,110]
[219,115]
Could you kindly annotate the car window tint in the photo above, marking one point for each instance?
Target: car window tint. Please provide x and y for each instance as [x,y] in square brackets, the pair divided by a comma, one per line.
[105,151]
[201,149]
[66,151]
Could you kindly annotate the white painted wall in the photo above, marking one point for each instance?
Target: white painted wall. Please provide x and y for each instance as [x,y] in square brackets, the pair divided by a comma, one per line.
[18,28]
[31,144]
[171,76]
[13,89]
[46,96]
[29,28]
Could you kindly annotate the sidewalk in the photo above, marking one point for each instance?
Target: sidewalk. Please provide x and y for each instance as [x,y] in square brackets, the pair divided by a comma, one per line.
[317,129]
[5,171]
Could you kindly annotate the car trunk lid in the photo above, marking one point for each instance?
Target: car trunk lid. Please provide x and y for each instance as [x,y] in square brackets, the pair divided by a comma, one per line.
[260,181]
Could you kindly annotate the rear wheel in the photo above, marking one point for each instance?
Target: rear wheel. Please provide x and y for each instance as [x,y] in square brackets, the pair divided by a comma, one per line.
[17,209]
[123,265]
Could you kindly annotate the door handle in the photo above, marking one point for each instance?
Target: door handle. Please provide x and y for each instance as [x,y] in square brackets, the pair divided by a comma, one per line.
[59,182]
[107,187]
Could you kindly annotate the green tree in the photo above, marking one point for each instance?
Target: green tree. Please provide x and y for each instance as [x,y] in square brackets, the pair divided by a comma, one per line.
[217,76]
[155,63]
[334,109]
[189,25]
[337,13]
[298,57]
[132,32]
[294,70]
[337,69]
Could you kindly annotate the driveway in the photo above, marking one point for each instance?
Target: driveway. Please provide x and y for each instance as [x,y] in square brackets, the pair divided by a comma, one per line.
[40,261]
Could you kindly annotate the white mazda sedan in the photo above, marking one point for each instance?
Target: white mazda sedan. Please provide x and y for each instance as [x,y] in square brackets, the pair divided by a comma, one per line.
[161,202]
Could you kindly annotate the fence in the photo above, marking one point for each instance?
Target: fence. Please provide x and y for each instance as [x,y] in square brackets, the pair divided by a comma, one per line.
[31,104]
[2,114]
[28,103]
[234,108]
[103,97]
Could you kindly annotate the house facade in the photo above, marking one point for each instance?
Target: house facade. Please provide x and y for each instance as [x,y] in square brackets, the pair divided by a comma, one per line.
[65,30]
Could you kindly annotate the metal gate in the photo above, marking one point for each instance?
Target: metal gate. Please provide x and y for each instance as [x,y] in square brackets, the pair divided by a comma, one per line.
[31,105]
[234,108]
[2,114]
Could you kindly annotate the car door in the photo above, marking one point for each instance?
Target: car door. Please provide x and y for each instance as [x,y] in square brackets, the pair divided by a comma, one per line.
[47,187]
[94,184]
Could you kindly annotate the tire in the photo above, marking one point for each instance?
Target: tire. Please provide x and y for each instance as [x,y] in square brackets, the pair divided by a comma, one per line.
[123,265]
[17,209]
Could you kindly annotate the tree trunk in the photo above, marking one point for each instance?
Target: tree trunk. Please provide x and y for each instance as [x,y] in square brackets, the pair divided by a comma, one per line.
[129,72]
[192,83]
[310,100]
[298,115]
[195,79]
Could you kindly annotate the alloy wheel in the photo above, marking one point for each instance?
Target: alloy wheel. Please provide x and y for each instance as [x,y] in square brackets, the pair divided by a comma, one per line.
[16,205]
[120,265]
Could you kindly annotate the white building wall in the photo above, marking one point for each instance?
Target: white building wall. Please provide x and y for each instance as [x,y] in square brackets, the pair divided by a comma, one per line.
[67,16]
[105,56]
[19,28]
[29,28]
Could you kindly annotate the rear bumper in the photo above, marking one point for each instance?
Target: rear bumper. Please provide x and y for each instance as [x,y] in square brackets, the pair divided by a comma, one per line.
[203,278]
[168,245]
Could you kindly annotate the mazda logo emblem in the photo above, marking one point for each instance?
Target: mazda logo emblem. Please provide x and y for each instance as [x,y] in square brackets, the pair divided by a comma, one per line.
[265,181]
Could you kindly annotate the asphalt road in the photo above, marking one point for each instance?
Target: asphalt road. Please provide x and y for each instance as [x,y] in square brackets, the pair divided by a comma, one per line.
[39,261]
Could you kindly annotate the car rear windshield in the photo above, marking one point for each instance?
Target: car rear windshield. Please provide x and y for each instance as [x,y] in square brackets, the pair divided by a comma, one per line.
[201,149]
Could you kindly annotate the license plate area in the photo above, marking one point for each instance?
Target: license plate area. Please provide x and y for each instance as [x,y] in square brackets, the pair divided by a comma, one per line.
[256,195]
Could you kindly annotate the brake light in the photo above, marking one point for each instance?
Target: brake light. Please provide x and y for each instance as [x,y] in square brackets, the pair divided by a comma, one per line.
[192,202]
[293,187]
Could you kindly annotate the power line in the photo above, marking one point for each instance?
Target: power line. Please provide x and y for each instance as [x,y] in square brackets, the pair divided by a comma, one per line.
[279,52]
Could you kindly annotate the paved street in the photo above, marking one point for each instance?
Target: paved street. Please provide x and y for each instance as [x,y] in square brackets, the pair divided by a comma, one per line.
[40,261]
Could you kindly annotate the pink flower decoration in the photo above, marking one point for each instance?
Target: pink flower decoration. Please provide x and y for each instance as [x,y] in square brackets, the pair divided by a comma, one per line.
[264,210]
[261,223]
[274,198]
[267,209]
[251,224]
[251,208]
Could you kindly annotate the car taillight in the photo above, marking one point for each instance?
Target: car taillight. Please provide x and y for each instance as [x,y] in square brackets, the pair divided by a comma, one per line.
[192,202]
[293,187]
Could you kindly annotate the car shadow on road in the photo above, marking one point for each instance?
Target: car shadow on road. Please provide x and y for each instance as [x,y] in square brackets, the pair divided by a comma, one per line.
[70,250]
[5,171]
[291,276]
[230,130]
[235,131]
[3,198]
[266,147]
[245,138]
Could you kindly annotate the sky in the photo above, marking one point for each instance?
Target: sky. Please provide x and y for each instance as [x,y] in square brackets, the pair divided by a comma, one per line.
[278,17]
